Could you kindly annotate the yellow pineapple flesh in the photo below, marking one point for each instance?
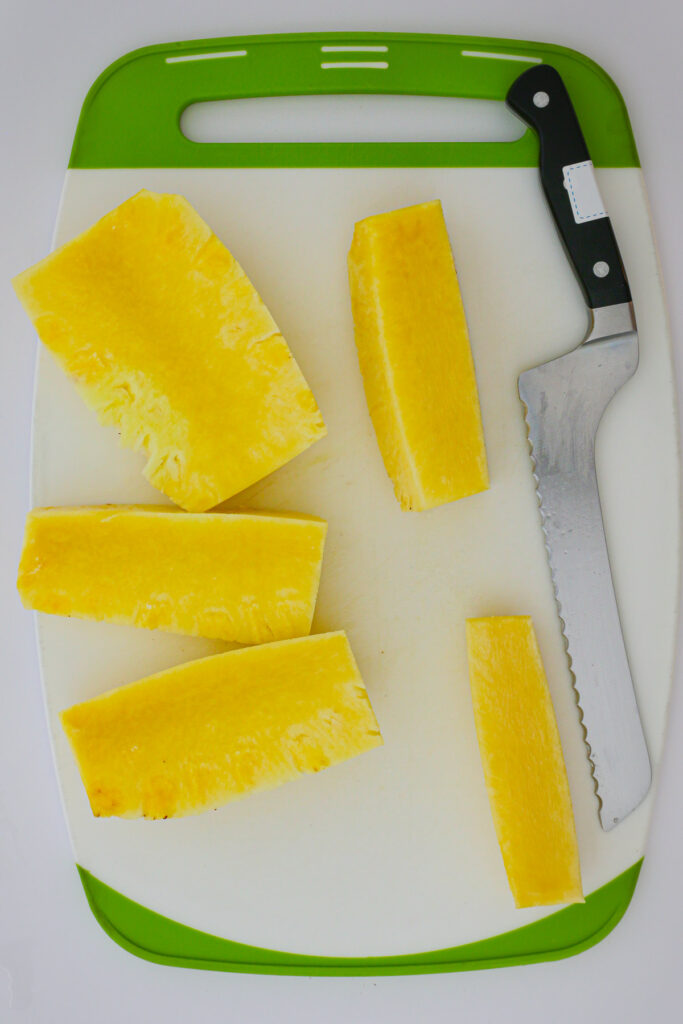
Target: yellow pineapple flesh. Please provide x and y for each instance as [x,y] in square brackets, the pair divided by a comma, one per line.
[206,732]
[523,763]
[166,338]
[238,576]
[415,357]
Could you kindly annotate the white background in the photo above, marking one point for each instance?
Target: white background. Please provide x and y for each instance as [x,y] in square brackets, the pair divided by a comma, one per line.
[56,965]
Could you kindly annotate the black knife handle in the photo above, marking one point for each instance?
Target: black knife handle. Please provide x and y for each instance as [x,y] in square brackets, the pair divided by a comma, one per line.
[540,98]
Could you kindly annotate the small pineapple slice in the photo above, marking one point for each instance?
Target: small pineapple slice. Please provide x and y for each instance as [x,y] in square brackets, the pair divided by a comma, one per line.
[206,732]
[166,338]
[414,354]
[244,577]
[523,764]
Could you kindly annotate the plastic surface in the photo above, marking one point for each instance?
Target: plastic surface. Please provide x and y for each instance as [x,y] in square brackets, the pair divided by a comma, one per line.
[131,115]
[130,119]
[559,935]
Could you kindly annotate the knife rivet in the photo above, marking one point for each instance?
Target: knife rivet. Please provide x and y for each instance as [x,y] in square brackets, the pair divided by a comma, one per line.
[541,99]
[601,269]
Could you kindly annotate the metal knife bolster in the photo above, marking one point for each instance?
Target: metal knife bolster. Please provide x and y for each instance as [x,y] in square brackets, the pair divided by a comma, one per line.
[564,402]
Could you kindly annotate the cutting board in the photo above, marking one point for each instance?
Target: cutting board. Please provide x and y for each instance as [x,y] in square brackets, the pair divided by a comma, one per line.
[387,863]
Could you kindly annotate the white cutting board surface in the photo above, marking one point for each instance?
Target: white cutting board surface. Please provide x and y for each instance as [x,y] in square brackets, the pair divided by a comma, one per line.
[393,852]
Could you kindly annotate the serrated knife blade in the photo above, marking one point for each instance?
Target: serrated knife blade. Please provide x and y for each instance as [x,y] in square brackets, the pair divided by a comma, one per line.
[564,401]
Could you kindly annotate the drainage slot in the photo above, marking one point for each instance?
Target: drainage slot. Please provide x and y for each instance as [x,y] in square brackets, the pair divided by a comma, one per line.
[379,64]
[205,56]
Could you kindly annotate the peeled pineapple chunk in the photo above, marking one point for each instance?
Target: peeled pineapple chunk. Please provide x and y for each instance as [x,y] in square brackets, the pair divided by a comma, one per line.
[523,764]
[245,577]
[166,338]
[415,356]
[196,736]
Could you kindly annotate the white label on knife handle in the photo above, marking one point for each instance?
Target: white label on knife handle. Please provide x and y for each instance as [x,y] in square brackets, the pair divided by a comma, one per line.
[584,194]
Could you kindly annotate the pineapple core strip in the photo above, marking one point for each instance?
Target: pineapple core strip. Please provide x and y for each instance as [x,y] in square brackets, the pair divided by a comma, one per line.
[239,576]
[206,732]
[166,338]
[414,354]
[523,764]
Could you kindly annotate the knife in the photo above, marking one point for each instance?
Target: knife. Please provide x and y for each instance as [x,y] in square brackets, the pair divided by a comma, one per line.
[564,402]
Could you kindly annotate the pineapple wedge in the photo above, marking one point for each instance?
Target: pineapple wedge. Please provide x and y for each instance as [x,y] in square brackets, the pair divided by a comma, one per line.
[198,735]
[414,354]
[523,764]
[244,577]
[166,338]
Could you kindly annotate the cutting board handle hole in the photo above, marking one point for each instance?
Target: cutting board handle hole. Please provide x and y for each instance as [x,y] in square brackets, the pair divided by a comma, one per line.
[350,118]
